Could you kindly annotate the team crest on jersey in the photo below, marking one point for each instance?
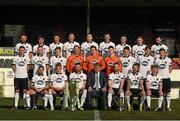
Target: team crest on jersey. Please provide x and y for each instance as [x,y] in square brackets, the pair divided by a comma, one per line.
[26,46]
[148,59]
[24,59]
[21,63]
[165,62]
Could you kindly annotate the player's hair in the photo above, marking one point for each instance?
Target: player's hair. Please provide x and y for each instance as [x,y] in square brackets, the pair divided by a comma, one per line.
[126,48]
[106,33]
[116,63]
[123,35]
[21,47]
[40,47]
[110,47]
[58,48]
[136,64]
[139,36]
[93,47]
[41,67]
[23,34]
[77,46]
[89,34]
[59,64]
[158,36]
[154,66]
[147,47]
[56,35]
[77,64]
[41,36]
[71,33]
[162,49]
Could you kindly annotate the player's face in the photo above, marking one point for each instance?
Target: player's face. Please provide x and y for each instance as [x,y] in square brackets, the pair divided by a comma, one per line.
[89,38]
[40,71]
[116,68]
[139,41]
[148,51]
[78,68]
[76,50]
[154,71]
[123,40]
[126,53]
[111,51]
[21,51]
[58,52]
[135,69]
[162,53]
[97,68]
[71,37]
[58,69]
[41,40]
[158,40]
[40,50]
[56,39]
[23,39]
[93,51]
[107,37]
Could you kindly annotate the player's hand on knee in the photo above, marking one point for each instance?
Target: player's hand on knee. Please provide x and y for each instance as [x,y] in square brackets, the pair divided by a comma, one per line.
[104,89]
[90,89]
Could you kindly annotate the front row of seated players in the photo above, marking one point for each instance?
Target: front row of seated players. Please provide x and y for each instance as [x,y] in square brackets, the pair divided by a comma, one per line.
[57,86]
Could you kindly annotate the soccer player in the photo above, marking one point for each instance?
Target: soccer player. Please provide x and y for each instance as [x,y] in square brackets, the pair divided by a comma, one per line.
[20,66]
[103,47]
[57,58]
[27,46]
[40,60]
[92,59]
[57,84]
[115,84]
[80,78]
[164,69]
[154,87]
[41,40]
[85,46]
[76,57]
[156,47]
[111,59]
[39,87]
[56,43]
[123,43]
[135,87]
[145,62]
[127,61]
[69,45]
[138,49]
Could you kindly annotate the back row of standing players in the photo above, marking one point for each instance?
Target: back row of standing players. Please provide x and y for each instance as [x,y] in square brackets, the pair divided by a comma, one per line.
[90,53]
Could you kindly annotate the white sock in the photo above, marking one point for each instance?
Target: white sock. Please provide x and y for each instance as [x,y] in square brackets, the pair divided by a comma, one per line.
[121,99]
[46,96]
[142,100]
[51,100]
[28,100]
[160,101]
[24,98]
[109,99]
[83,97]
[16,97]
[148,101]
[128,100]
[168,98]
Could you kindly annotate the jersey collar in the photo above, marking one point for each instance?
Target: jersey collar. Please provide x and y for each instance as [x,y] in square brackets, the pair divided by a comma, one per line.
[162,58]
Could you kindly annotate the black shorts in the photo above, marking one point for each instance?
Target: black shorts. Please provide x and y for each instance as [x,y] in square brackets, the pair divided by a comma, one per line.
[116,91]
[166,85]
[20,83]
[154,92]
[135,92]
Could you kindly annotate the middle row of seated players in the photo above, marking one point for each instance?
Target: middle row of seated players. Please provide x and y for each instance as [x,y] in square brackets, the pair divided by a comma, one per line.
[97,82]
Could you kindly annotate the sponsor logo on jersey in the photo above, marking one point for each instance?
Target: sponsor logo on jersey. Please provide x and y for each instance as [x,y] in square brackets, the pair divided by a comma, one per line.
[140,52]
[135,82]
[59,80]
[116,81]
[162,66]
[94,62]
[110,64]
[154,83]
[39,63]
[40,82]
[144,63]
[125,64]
[21,63]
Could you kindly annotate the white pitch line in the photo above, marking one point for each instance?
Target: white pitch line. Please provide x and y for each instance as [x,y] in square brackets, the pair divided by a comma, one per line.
[97,115]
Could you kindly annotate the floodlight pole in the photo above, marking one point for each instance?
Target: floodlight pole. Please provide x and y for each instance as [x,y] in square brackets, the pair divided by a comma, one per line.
[88,16]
